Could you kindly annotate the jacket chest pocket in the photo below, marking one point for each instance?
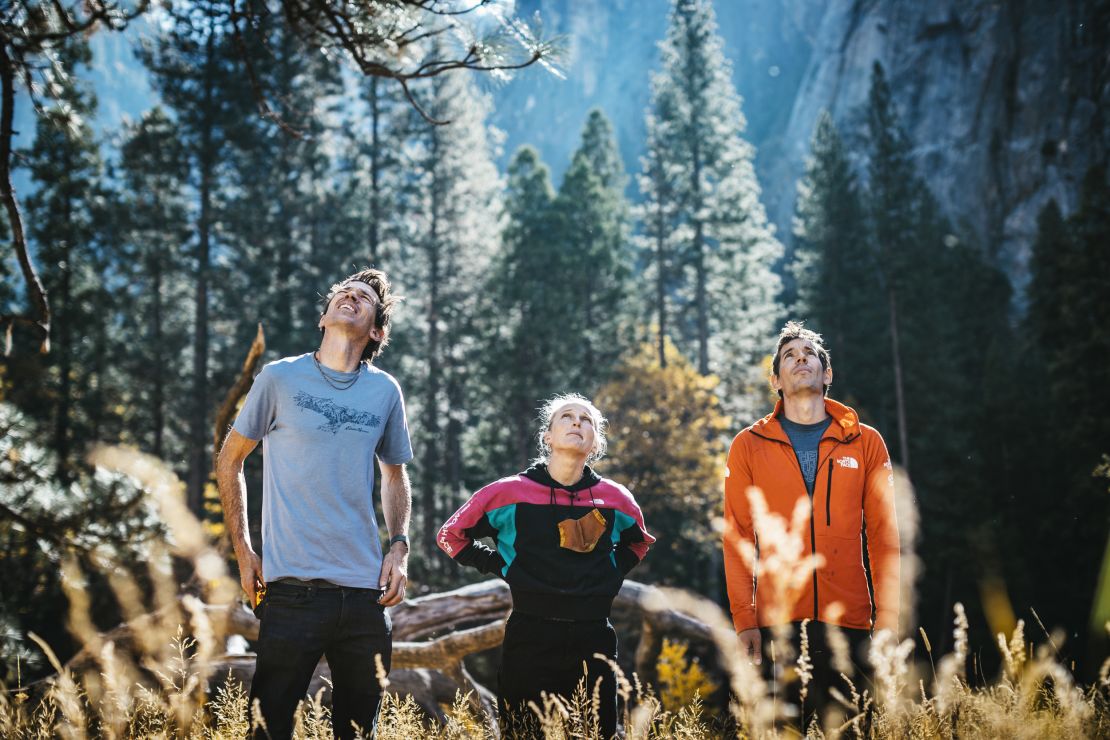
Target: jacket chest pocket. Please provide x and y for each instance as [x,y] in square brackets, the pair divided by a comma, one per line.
[839,486]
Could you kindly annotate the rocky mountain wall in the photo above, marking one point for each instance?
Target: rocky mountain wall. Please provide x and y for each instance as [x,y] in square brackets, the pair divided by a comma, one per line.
[1004,102]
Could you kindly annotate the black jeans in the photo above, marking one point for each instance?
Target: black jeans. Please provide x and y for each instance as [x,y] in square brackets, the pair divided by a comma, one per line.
[301,624]
[825,675]
[546,655]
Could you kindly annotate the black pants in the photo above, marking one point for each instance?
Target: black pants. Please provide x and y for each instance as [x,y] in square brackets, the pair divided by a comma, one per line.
[546,655]
[825,675]
[301,624]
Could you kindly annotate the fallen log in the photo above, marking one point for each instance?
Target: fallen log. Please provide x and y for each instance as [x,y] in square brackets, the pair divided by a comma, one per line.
[432,636]
[419,618]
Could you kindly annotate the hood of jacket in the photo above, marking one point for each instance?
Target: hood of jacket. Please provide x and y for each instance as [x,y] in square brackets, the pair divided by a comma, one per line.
[538,473]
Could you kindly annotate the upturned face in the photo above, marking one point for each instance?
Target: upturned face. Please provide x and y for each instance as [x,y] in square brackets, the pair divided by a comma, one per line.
[800,371]
[353,309]
[572,430]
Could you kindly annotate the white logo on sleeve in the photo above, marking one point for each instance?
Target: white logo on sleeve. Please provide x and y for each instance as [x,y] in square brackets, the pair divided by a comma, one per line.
[847,462]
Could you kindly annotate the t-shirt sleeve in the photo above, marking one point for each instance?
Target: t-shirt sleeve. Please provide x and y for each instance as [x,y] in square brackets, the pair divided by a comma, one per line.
[395,447]
[259,409]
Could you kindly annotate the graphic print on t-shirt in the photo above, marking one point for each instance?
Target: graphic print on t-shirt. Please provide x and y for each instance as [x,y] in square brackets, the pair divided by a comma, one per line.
[807,459]
[339,417]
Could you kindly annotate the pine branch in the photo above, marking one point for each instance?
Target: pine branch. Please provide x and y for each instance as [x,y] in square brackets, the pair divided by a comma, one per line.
[29,31]
[35,290]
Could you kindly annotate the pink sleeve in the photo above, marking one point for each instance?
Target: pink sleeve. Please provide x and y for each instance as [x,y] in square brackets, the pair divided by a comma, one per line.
[452,537]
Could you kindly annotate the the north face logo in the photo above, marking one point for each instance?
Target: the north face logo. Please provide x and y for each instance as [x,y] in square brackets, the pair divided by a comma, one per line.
[847,462]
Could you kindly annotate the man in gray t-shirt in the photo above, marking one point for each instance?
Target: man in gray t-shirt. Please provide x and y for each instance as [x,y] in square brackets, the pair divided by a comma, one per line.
[321,585]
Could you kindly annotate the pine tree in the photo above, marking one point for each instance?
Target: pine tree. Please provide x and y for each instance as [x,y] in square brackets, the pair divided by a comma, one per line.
[1063,367]
[388,117]
[591,223]
[65,222]
[1052,249]
[893,186]
[835,269]
[1081,329]
[453,209]
[942,355]
[94,517]
[154,223]
[524,346]
[198,76]
[725,248]
[277,223]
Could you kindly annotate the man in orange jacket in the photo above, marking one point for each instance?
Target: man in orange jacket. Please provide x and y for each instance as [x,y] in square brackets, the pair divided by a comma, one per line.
[814,450]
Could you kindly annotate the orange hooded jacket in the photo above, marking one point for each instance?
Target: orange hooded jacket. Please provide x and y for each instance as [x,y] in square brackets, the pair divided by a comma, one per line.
[853,490]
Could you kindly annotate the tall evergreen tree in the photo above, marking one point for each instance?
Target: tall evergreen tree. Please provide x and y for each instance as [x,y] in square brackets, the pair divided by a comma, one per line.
[834,267]
[894,188]
[524,343]
[382,170]
[196,72]
[726,247]
[1048,267]
[1068,306]
[591,224]
[154,225]
[65,221]
[454,206]
[657,214]
[276,223]
[940,336]
[1078,326]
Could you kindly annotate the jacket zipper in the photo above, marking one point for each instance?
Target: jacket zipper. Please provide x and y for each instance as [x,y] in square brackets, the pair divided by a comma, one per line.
[813,551]
[828,497]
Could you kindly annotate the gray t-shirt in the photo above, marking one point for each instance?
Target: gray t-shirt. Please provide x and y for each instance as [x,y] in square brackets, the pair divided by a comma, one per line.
[319,445]
[806,438]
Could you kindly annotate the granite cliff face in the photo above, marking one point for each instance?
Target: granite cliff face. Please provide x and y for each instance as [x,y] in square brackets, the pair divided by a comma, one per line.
[1003,101]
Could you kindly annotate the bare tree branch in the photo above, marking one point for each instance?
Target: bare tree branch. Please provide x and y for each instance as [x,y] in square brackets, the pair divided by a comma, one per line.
[29,31]
[264,108]
[35,290]
[237,391]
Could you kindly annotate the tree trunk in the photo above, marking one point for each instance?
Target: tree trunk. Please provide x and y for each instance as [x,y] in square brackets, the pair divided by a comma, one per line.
[64,406]
[374,235]
[35,291]
[198,427]
[701,298]
[660,274]
[98,409]
[157,342]
[899,392]
[430,475]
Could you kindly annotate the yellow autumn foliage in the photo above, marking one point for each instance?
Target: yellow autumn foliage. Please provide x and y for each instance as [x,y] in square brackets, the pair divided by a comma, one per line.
[667,444]
[680,679]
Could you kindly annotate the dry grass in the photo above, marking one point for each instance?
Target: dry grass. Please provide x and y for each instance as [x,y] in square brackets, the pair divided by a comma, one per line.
[1035,697]
[158,684]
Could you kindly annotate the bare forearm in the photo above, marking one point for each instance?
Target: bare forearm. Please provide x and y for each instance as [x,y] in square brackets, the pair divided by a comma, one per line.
[233,498]
[396,499]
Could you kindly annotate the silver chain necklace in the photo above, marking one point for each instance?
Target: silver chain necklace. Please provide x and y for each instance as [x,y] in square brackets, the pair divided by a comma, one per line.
[339,384]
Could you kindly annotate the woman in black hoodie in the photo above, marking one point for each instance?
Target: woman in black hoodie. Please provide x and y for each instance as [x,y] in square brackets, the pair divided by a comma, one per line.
[565,538]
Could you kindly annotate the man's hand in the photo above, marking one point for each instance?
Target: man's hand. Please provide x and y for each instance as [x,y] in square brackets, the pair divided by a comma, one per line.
[751,645]
[250,573]
[395,574]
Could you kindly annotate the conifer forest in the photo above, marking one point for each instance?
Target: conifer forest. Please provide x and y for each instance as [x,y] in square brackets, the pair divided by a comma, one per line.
[601,198]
